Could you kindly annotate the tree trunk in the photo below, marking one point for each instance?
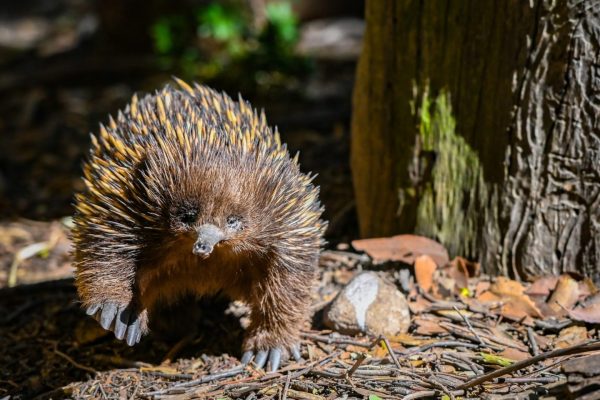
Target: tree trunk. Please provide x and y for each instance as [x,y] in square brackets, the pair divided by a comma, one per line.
[477,123]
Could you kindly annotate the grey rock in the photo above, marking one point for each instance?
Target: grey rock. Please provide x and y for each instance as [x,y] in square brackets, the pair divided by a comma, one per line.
[369,304]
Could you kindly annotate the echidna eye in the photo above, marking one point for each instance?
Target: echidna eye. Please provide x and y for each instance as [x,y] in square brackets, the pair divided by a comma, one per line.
[234,222]
[188,216]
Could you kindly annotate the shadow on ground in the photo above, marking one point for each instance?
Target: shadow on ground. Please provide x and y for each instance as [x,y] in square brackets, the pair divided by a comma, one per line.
[47,341]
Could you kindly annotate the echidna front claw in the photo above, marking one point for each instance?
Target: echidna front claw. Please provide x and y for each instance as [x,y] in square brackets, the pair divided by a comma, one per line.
[121,319]
[109,311]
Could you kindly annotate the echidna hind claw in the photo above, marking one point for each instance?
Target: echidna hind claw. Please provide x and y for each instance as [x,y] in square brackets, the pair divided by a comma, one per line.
[273,355]
[246,357]
[295,350]
[274,359]
[261,358]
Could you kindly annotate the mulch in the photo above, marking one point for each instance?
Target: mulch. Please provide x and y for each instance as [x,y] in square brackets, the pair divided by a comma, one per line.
[455,348]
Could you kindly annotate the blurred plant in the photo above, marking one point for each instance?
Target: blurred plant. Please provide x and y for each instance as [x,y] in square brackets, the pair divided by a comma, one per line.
[220,43]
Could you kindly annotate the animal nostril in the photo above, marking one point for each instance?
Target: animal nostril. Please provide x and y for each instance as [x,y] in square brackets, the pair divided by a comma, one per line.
[201,248]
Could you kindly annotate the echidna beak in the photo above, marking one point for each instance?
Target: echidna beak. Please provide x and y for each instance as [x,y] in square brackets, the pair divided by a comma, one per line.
[208,236]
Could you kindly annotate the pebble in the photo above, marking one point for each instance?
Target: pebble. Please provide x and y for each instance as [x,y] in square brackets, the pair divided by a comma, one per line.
[369,304]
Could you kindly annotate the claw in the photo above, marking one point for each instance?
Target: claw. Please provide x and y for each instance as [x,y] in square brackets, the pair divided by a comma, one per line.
[121,322]
[139,336]
[108,315]
[133,332]
[295,350]
[246,357]
[274,359]
[91,310]
[261,358]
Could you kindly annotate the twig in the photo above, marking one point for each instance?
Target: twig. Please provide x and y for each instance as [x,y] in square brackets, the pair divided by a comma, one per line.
[388,347]
[180,345]
[73,362]
[429,393]
[532,342]
[446,343]
[539,379]
[359,360]
[466,319]
[286,387]
[334,340]
[168,375]
[137,387]
[204,379]
[577,349]
[120,362]
[442,387]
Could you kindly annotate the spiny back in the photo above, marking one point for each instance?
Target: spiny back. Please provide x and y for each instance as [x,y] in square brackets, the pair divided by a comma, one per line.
[178,143]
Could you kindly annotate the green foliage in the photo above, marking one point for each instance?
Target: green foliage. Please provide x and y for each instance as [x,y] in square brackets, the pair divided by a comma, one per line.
[283,23]
[220,43]
[220,22]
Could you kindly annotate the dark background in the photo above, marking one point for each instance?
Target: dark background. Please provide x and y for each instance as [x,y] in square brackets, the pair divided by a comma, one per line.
[66,65]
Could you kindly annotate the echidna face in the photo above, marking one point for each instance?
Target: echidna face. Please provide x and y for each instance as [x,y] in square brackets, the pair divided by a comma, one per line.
[207,226]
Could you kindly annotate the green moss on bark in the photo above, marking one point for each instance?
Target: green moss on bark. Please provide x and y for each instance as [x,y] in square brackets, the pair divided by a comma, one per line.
[453,196]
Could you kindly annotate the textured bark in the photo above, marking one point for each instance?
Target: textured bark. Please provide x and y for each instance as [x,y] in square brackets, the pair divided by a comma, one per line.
[552,196]
[523,81]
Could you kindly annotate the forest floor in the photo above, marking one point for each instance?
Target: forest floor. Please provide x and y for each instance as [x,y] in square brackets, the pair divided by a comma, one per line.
[470,336]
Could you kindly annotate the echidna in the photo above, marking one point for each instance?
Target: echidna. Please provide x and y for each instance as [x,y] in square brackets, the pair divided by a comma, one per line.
[189,192]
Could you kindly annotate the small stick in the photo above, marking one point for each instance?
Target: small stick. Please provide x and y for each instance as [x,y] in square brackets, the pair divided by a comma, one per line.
[204,379]
[430,393]
[178,347]
[359,360]
[444,343]
[286,387]
[120,362]
[577,349]
[389,350]
[466,319]
[334,340]
[532,342]
[442,387]
[539,379]
[73,362]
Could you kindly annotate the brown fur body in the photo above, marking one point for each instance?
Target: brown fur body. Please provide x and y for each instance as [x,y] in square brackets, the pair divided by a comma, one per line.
[195,149]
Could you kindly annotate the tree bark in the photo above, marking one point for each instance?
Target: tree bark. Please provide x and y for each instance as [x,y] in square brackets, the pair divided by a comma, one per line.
[523,82]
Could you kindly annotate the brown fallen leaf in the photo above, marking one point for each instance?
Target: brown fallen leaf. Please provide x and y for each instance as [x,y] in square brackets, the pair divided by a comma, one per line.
[489,297]
[542,286]
[565,296]
[482,286]
[404,248]
[515,354]
[455,276]
[587,288]
[514,311]
[407,339]
[589,314]
[470,268]
[424,269]
[504,286]
[428,327]
[419,305]
[516,305]
[571,336]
